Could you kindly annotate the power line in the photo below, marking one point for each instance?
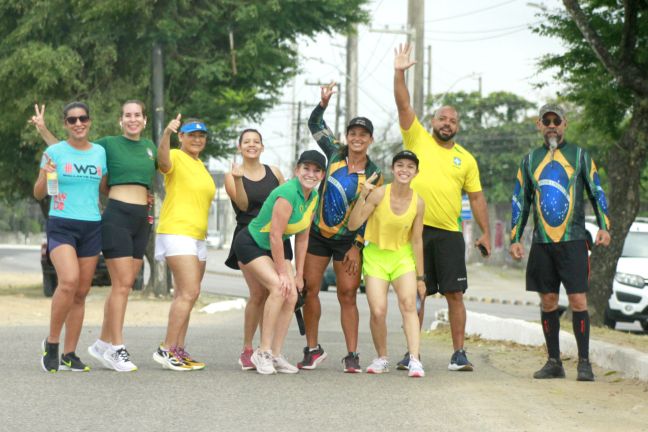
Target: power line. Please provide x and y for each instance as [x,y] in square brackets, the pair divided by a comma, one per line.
[476,11]
[520,26]
[478,39]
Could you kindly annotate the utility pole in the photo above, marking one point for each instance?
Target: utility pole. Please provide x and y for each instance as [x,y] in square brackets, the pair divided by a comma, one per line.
[351,100]
[428,94]
[416,37]
[298,132]
[160,280]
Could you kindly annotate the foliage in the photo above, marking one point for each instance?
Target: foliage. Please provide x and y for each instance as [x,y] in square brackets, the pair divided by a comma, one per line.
[99,51]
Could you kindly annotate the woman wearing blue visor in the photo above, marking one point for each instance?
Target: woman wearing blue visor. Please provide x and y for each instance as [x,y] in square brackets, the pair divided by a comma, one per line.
[181,233]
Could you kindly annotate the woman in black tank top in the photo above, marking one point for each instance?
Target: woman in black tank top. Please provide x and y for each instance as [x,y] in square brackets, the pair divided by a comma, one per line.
[248,185]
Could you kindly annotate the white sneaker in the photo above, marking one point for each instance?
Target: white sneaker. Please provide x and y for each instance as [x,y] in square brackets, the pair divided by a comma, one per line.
[119,360]
[96,351]
[263,362]
[281,365]
[415,368]
[378,365]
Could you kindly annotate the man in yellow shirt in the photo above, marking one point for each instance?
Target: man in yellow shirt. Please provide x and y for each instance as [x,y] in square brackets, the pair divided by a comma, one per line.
[446,170]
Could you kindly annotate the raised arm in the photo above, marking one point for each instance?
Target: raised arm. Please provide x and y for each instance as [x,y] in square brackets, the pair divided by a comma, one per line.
[366,203]
[234,187]
[164,148]
[402,62]
[38,120]
[325,138]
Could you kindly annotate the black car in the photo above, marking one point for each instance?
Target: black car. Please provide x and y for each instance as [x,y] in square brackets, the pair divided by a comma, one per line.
[329,279]
[101,276]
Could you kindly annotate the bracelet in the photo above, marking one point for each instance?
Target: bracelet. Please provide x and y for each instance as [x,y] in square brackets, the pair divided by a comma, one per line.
[420,278]
[358,244]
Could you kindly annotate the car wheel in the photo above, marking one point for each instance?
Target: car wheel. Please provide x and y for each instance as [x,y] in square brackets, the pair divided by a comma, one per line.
[324,285]
[607,319]
[644,325]
[49,284]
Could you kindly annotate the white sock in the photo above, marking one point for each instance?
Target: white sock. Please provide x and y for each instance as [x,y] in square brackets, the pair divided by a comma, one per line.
[102,345]
[118,347]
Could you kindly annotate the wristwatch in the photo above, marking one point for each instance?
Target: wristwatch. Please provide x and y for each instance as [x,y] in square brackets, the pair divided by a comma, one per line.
[420,278]
[358,244]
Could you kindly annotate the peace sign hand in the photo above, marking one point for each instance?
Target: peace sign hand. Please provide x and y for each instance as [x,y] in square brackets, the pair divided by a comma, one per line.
[38,119]
[368,185]
[326,92]
[174,124]
[402,57]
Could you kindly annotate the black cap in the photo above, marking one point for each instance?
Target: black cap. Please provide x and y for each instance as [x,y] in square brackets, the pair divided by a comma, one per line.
[361,121]
[405,154]
[312,156]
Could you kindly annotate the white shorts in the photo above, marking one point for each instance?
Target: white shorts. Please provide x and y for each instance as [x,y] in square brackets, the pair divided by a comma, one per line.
[167,245]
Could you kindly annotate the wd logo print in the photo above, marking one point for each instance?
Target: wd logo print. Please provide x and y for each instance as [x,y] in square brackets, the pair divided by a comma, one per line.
[74,169]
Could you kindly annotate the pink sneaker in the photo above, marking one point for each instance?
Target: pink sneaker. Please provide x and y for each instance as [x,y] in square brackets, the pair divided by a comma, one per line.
[245,359]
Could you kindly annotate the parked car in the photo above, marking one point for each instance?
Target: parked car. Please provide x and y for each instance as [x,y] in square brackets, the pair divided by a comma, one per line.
[101,276]
[629,299]
[330,280]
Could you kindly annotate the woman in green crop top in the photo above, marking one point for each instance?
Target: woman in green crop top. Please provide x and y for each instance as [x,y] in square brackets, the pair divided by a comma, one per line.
[124,224]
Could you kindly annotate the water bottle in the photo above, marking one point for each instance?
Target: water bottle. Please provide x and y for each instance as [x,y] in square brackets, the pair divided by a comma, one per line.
[52,184]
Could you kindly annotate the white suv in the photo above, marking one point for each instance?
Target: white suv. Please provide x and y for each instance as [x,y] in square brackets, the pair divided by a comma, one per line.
[629,299]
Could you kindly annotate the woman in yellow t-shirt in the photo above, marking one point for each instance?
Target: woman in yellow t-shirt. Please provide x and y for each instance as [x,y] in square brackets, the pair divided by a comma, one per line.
[394,254]
[181,232]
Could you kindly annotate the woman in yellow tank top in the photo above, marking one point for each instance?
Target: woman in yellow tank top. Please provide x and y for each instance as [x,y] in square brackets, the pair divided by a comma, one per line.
[394,254]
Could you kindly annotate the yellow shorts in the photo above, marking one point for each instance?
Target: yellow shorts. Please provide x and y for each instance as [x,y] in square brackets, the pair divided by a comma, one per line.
[387,264]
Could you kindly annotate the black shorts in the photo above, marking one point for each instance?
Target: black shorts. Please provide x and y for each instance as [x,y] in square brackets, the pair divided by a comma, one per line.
[232,260]
[125,229]
[322,246]
[552,263]
[247,250]
[83,236]
[444,261]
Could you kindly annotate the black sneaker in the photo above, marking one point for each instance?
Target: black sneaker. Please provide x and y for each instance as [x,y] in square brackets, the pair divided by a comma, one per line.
[584,370]
[404,363]
[352,363]
[50,360]
[312,358]
[72,362]
[552,369]
[459,362]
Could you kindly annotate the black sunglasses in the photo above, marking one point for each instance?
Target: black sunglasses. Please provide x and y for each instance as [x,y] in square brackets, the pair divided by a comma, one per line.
[556,121]
[73,120]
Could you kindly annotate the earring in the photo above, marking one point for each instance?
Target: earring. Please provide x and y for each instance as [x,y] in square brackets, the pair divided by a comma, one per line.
[120,125]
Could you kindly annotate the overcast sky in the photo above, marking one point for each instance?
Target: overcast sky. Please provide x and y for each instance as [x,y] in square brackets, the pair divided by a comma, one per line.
[489,38]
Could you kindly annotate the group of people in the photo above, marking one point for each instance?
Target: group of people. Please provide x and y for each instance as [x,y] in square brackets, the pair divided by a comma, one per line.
[407,233]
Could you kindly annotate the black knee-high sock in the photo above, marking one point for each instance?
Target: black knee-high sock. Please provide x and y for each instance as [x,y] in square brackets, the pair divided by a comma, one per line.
[581,323]
[551,330]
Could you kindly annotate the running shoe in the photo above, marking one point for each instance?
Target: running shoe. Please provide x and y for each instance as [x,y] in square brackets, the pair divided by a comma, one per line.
[49,359]
[168,360]
[245,359]
[72,362]
[312,358]
[263,362]
[352,363]
[119,360]
[552,369]
[96,350]
[404,363]
[584,370]
[415,368]
[281,365]
[378,365]
[459,362]
[188,360]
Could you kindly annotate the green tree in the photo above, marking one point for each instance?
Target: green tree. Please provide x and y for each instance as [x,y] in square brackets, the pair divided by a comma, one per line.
[100,51]
[604,71]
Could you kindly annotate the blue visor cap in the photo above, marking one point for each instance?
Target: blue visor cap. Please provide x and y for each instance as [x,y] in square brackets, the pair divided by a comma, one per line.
[193,127]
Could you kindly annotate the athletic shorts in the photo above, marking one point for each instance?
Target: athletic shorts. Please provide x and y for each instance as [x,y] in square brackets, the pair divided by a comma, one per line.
[444,260]
[247,250]
[322,246]
[167,245]
[83,236]
[232,260]
[125,229]
[552,263]
[386,264]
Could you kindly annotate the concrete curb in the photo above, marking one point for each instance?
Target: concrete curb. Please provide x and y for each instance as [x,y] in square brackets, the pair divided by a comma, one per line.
[631,363]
